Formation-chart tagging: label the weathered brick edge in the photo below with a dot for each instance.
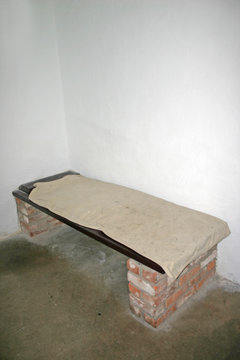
(33, 221)
(153, 298)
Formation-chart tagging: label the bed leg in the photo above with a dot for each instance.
(153, 298)
(33, 221)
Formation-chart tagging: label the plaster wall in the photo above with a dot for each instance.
(151, 93)
(33, 140)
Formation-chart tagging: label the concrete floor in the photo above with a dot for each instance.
(65, 296)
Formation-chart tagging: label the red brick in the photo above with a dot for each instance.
(151, 275)
(33, 221)
(195, 280)
(159, 310)
(57, 223)
(30, 211)
(153, 300)
(207, 258)
(204, 279)
(18, 201)
(186, 296)
(150, 320)
(134, 290)
(24, 227)
(184, 278)
(36, 232)
(145, 307)
(172, 288)
(160, 287)
(51, 219)
(211, 265)
(175, 296)
(156, 322)
(133, 266)
(37, 217)
(145, 285)
(166, 314)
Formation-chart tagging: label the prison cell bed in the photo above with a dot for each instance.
(159, 234)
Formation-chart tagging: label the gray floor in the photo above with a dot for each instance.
(65, 296)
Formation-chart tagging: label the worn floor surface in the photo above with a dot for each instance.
(65, 296)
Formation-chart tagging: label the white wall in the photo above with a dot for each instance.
(151, 95)
(32, 138)
(151, 90)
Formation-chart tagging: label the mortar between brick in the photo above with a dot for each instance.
(155, 308)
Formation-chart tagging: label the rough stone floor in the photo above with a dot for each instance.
(65, 296)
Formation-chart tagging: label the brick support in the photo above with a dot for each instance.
(33, 221)
(153, 298)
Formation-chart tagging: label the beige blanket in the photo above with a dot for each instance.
(168, 234)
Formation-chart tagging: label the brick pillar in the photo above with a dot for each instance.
(33, 221)
(153, 298)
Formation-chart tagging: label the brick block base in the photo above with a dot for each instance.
(153, 298)
(33, 221)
